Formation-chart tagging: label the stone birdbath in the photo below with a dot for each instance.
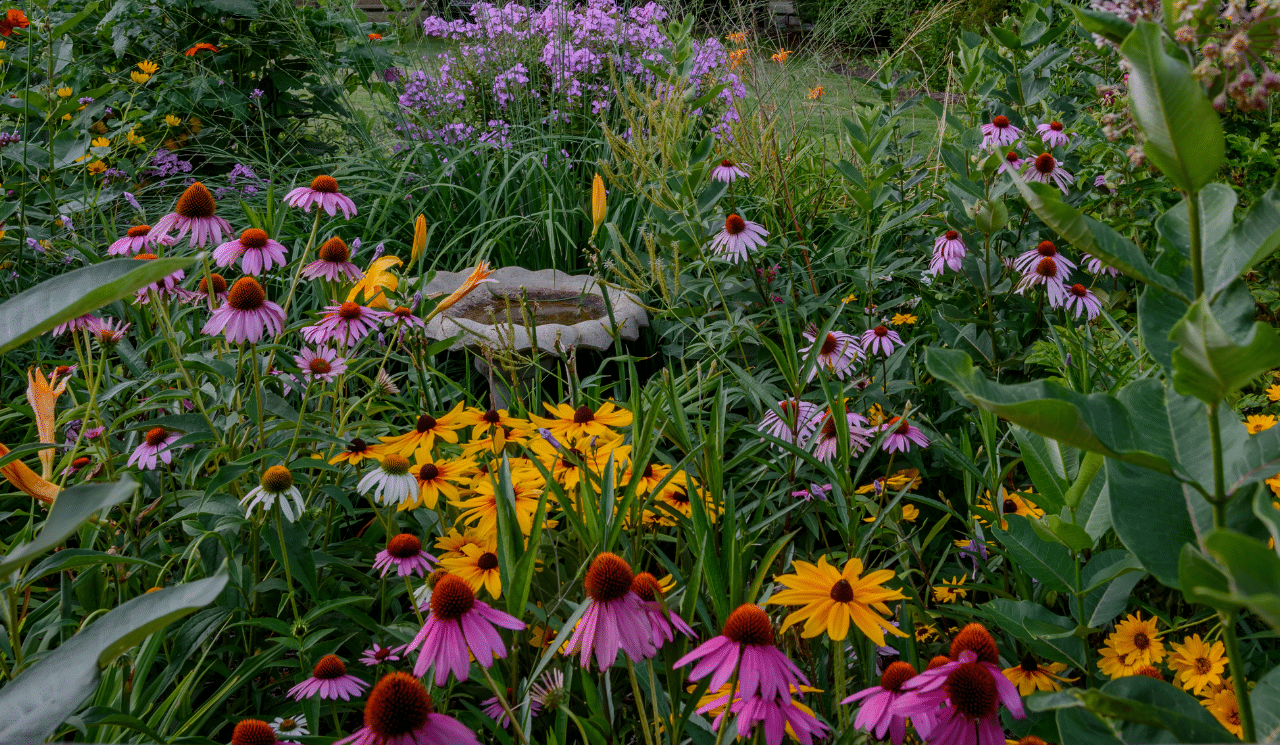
(565, 312)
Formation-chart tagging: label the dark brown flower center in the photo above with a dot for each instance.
(830, 344)
(428, 472)
(1001, 121)
(358, 446)
(252, 732)
(219, 284)
(492, 416)
(382, 653)
(975, 638)
(583, 414)
(1078, 290)
(951, 235)
(881, 331)
(972, 690)
(451, 598)
(733, 225)
(401, 312)
(276, 479)
(319, 366)
(678, 494)
(842, 591)
(1012, 157)
(404, 546)
(828, 427)
(246, 294)
(334, 251)
(1046, 248)
(253, 238)
(349, 310)
(1202, 666)
(487, 562)
(895, 675)
(137, 231)
(749, 624)
(1047, 267)
(156, 435)
(646, 586)
(1055, 126)
(1029, 665)
(426, 423)
(1141, 640)
(726, 163)
(1045, 163)
(329, 667)
(608, 578)
(196, 202)
(326, 184)
(648, 471)
(1009, 507)
(397, 706)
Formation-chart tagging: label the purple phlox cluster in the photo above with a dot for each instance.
(166, 163)
(241, 180)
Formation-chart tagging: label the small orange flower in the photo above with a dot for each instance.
(14, 18)
(781, 55)
(736, 57)
(375, 37)
(816, 93)
(203, 46)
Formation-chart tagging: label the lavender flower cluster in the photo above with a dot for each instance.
(9, 138)
(560, 57)
(166, 163)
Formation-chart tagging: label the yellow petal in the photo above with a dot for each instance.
(419, 238)
(597, 202)
(26, 480)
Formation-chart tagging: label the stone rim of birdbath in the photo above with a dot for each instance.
(552, 338)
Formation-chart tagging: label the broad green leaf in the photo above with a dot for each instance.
(1147, 705)
(43, 696)
(1266, 707)
(1209, 364)
(1264, 507)
(1113, 28)
(1202, 581)
(1047, 562)
(1250, 241)
(1090, 236)
(1184, 133)
(1044, 463)
(76, 293)
(1076, 726)
(1103, 605)
(1054, 528)
(1150, 517)
(1253, 572)
(1098, 423)
(1158, 313)
(73, 558)
(1256, 459)
(72, 507)
(1047, 633)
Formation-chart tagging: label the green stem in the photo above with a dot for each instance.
(837, 664)
(284, 559)
(635, 691)
(1219, 487)
(413, 603)
(1193, 225)
(502, 701)
(1243, 704)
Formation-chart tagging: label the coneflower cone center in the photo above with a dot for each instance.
(749, 624)
(726, 163)
(156, 435)
(487, 562)
(1047, 267)
(1032, 740)
(608, 578)
(1001, 121)
(246, 294)
(895, 675)
(397, 706)
(404, 546)
(396, 465)
(646, 586)
(975, 638)
(426, 423)
(828, 428)
(401, 312)
(326, 184)
(137, 231)
(1079, 290)
(287, 724)
(881, 331)
(583, 414)
(1012, 157)
(382, 654)
(329, 668)
(451, 598)
(938, 661)
(335, 251)
(842, 591)
(252, 732)
(951, 235)
(319, 366)
(1149, 671)
(428, 472)
(973, 692)
(349, 310)
(80, 462)
(145, 257)
(196, 202)
(276, 479)
(830, 344)
(1055, 126)
(1045, 163)
(253, 238)
(1046, 248)
(733, 225)
(219, 284)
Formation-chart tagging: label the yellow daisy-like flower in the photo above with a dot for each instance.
(816, 93)
(139, 77)
(148, 67)
(478, 565)
(481, 510)
(454, 541)
(900, 319)
(1273, 392)
(850, 298)
(494, 442)
(64, 92)
(908, 477)
(100, 142)
(355, 454)
(875, 415)
(1198, 664)
(172, 120)
(97, 167)
(832, 599)
(1274, 483)
(135, 139)
(566, 463)
(718, 698)
(1011, 504)
(925, 632)
(677, 497)
(1224, 707)
(424, 433)
(909, 514)
(1031, 676)
(436, 477)
(650, 476)
(378, 281)
(1115, 665)
(950, 590)
(737, 37)
(484, 423)
(1137, 639)
(1256, 423)
(583, 422)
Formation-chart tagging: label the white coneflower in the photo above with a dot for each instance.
(275, 485)
(291, 726)
(391, 482)
(384, 384)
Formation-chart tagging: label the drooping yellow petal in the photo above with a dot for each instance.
(378, 279)
(419, 238)
(478, 276)
(27, 480)
(44, 400)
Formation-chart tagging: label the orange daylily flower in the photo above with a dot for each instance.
(44, 399)
(203, 46)
(478, 276)
(27, 480)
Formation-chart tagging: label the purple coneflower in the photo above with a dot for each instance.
(403, 316)
(1028, 259)
(87, 322)
(876, 715)
(902, 435)
(399, 711)
(344, 324)
(837, 352)
(404, 552)
(880, 340)
(745, 646)
(247, 316)
(1048, 273)
(828, 437)
(1045, 169)
(1080, 299)
(257, 253)
(459, 625)
(728, 172)
(663, 621)
(195, 213)
(739, 238)
(1094, 265)
(1052, 134)
(138, 239)
(324, 192)
(780, 716)
(155, 446)
(614, 620)
(377, 655)
(330, 680)
(333, 263)
(1011, 163)
(202, 289)
(77, 465)
(815, 491)
(948, 251)
(165, 287)
(999, 132)
(798, 420)
(320, 364)
(492, 708)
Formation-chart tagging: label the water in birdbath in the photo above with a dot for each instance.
(546, 307)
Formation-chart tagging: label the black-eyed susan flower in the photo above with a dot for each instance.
(478, 565)
(567, 422)
(1010, 504)
(453, 542)
(481, 510)
(1031, 676)
(425, 432)
(832, 599)
(438, 476)
(950, 590)
(357, 450)
(1199, 664)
